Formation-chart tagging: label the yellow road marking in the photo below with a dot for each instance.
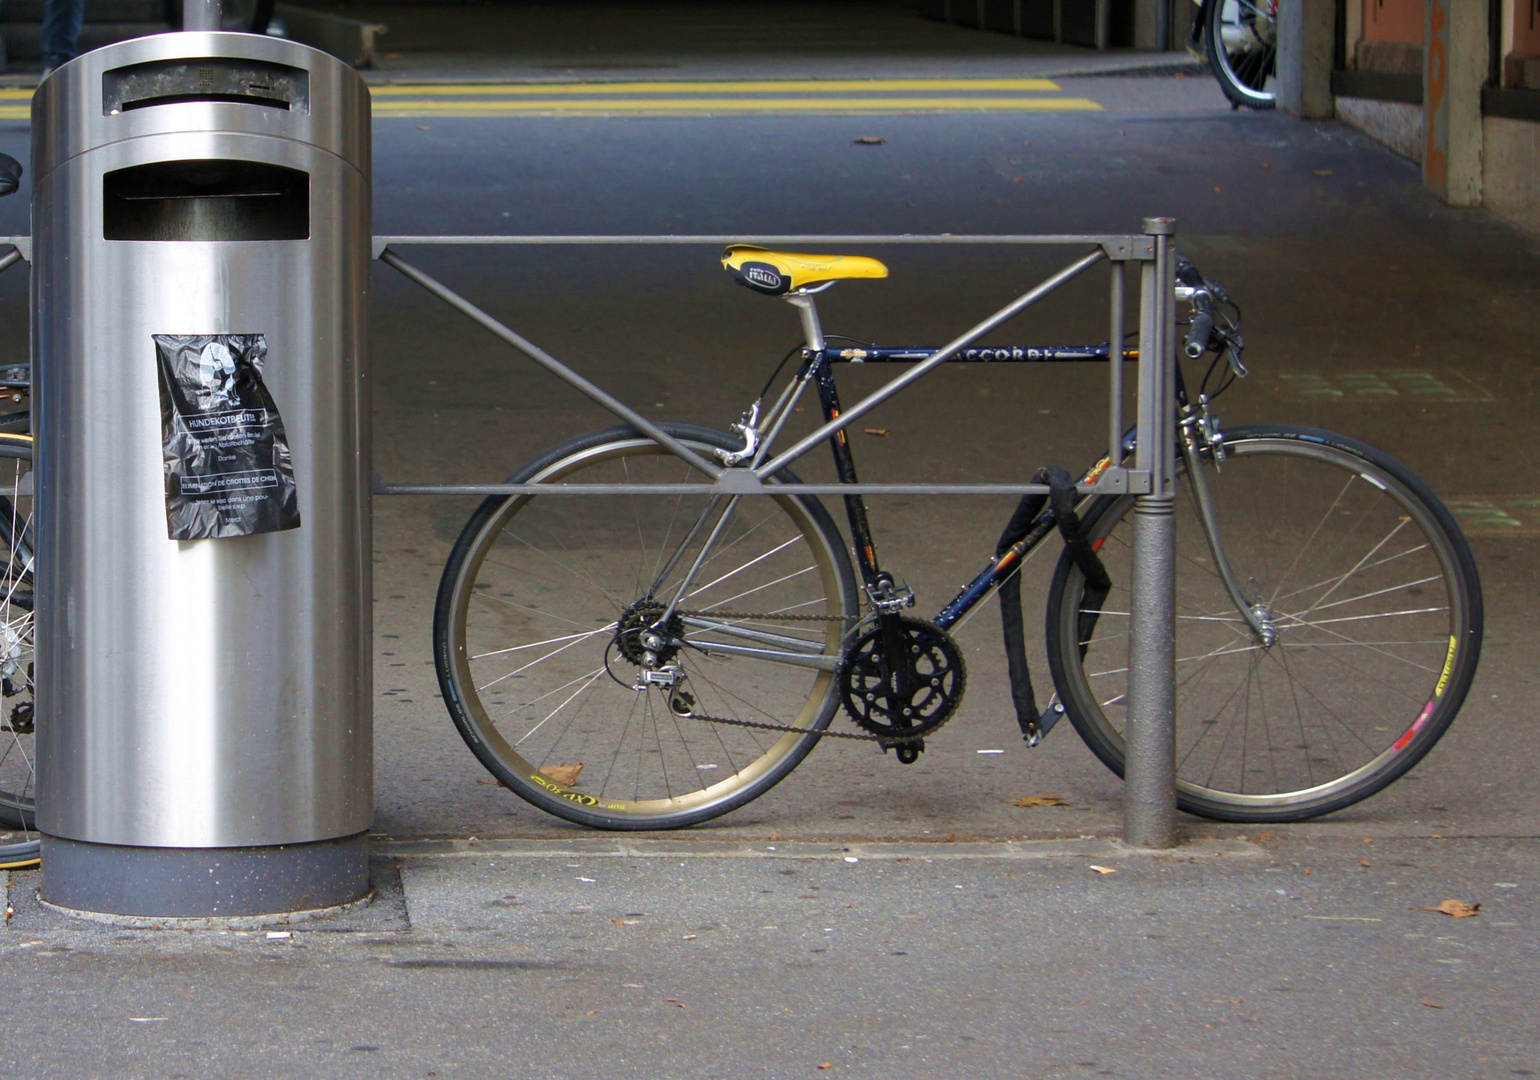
(15, 112)
(734, 105)
(770, 86)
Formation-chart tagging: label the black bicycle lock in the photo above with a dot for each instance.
(1061, 503)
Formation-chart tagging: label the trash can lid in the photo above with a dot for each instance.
(247, 84)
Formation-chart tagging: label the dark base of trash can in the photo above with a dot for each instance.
(182, 883)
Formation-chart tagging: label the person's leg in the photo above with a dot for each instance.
(62, 20)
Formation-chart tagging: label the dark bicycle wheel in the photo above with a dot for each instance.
(1241, 40)
(1377, 609)
(17, 764)
(541, 628)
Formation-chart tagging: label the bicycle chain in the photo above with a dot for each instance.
(787, 728)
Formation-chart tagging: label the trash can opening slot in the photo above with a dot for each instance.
(217, 79)
(206, 199)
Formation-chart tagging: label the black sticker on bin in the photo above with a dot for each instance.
(228, 468)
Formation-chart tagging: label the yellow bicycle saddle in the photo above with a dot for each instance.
(776, 273)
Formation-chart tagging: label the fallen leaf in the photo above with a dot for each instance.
(1364, 862)
(490, 783)
(674, 1001)
(1455, 909)
(869, 140)
(1018, 179)
(1267, 164)
(423, 127)
(1036, 800)
(826, 1064)
(1309, 872)
(625, 922)
(1321, 172)
(592, 1012)
(1218, 190)
(880, 431)
(1103, 869)
(566, 775)
(1430, 1005)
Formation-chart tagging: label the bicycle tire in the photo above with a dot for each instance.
(565, 560)
(1242, 50)
(1317, 523)
(18, 773)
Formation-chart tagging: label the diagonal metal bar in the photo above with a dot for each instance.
(550, 363)
(925, 367)
(10, 260)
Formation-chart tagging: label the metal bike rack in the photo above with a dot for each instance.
(1149, 819)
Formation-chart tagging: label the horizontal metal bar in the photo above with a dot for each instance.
(711, 489)
(779, 238)
(936, 359)
(22, 244)
(1117, 246)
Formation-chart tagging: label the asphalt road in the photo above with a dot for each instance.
(1340, 261)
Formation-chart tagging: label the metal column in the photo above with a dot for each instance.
(1149, 792)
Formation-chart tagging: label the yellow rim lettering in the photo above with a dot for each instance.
(1443, 680)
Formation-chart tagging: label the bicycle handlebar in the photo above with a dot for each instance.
(1201, 329)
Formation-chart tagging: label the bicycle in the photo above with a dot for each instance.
(1239, 39)
(692, 649)
(18, 773)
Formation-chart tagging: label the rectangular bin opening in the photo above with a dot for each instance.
(219, 79)
(206, 200)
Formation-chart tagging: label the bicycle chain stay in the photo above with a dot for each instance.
(888, 740)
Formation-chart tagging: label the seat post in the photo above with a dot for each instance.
(811, 330)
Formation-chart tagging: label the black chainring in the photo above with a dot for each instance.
(912, 699)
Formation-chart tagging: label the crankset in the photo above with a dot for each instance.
(902, 679)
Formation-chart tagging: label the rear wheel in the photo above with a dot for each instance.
(1241, 40)
(18, 779)
(1376, 605)
(542, 628)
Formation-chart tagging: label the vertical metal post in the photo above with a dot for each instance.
(1149, 788)
(1115, 369)
(201, 14)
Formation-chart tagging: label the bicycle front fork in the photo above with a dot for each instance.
(1199, 433)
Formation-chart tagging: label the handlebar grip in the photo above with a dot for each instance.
(1199, 332)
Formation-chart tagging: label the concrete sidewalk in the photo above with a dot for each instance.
(1270, 958)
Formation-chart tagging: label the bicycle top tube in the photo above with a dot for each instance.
(979, 354)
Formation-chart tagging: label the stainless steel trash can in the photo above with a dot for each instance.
(201, 224)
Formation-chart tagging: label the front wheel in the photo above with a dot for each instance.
(546, 635)
(1376, 605)
(1240, 38)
